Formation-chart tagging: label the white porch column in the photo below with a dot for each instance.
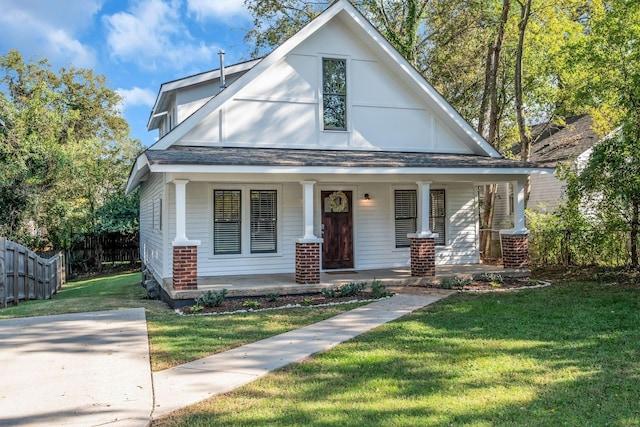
(308, 246)
(515, 242)
(424, 211)
(307, 206)
(519, 226)
(181, 215)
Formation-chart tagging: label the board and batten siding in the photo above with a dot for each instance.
(152, 233)
(282, 106)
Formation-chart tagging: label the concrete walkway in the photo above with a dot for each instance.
(84, 369)
(93, 369)
(193, 382)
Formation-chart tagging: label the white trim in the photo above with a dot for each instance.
(330, 170)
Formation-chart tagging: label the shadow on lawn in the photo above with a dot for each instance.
(566, 355)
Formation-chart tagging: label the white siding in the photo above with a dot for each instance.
(200, 227)
(152, 240)
(547, 192)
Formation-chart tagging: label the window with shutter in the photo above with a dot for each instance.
(438, 215)
(226, 222)
(263, 221)
(405, 215)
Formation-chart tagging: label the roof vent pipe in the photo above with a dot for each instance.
(222, 82)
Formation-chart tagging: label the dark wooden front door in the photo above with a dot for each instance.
(337, 227)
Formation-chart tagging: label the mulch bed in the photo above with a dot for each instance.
(230, 305)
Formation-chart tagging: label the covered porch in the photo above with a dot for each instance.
(248, 285)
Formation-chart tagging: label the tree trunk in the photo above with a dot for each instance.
(525, 139)
(634, 233)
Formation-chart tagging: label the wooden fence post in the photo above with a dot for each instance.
(3, 273)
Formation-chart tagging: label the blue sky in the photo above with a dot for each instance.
(136, 44)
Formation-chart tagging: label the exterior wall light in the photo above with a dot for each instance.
(366, 196)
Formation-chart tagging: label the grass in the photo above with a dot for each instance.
(173, 339)
(564, 355)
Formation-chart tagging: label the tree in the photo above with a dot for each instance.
(64, 147)
(610, 61)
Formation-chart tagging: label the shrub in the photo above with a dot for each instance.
(492, 278)
(251, 304)
(379, 289)
(212, 298)
(446, 283)
(273, 297)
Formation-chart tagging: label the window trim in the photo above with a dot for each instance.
(238, 221)
(395, 217)
(251, 222)
(245, 242)
(347, 95)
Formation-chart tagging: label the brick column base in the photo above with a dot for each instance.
(185, 268)
(423, 256)
(307, 263)
(515, 250)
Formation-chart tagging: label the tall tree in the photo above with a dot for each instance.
(610, 60)
(64, 147)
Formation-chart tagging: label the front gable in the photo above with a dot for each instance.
(278, 103)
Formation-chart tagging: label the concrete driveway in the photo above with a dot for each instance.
(98, 362)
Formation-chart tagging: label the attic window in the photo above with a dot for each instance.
(334, 93)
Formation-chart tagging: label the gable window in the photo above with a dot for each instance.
(226, 222)
(334, 93)
(406, 212)
(263, 221)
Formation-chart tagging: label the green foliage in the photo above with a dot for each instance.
(273, 297)
(307, 301)
(379, 289)
(492, 278)
(251, 304)
(212, 298)
(346, 290)
(65, 153)
(446, 282)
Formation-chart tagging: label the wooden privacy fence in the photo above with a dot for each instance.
(24, 275)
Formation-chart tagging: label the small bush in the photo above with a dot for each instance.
(197, 308)
(212, 298)
(307, 301)
(273, 297)
(446, 283)
(379, 289)
(460, 283)
(251, 304)
(346, 290)
(328, 293)
(492, 277)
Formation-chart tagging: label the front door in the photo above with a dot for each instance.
(337, 227)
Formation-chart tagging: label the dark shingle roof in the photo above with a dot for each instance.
(563, 143)
(227, 156)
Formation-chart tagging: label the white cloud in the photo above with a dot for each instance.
(49, 29)
(217, 9)
(136, 96)
(152, 36)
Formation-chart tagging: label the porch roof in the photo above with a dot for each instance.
(280, 157)
(192, 159)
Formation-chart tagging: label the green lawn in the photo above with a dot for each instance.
(173, 339)
(568, 355)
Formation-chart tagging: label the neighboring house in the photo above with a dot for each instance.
(570, 145)
(330, 153)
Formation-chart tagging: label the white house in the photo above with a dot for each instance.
(330, 153)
